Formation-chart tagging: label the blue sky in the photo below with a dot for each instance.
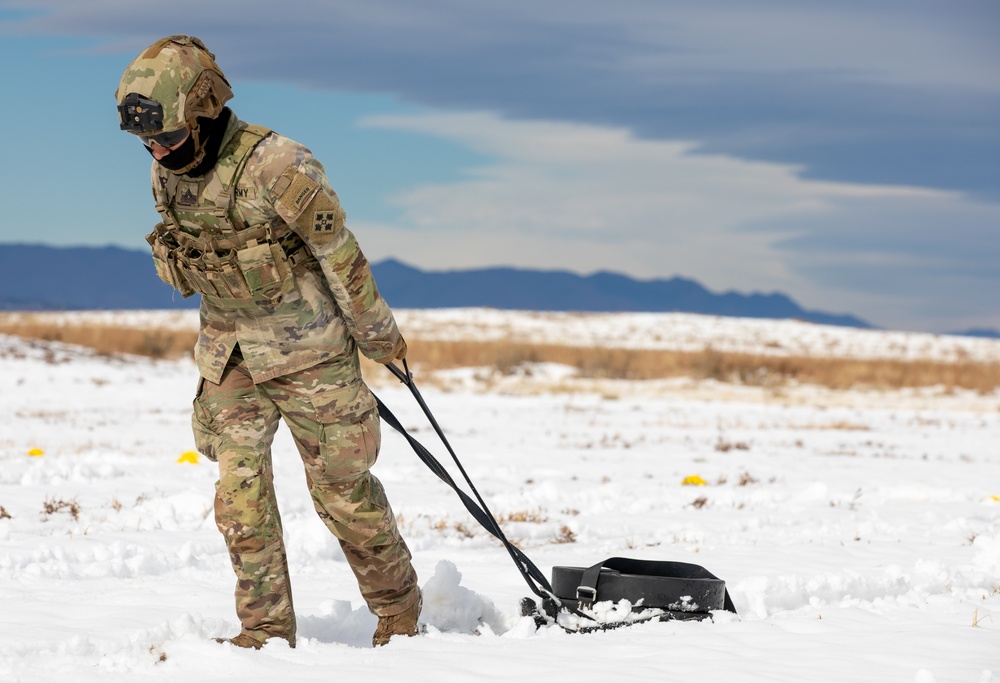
(847, 154)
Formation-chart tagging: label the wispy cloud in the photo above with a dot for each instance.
(870, 92)
(588, 198)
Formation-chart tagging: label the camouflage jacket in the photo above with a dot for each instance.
(262, 237)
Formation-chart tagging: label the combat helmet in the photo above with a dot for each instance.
(168, 87)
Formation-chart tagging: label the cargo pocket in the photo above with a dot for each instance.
(206, 439)
(349, 432)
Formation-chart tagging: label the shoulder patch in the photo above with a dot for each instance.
(299, 192)
(326, 219)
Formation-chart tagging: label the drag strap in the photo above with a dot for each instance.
(528, 570)
(590, 583)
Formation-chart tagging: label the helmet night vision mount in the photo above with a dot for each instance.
(140, 115)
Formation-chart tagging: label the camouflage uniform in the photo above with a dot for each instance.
(288, 300)
(330, 413)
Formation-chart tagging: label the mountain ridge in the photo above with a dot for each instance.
(43, 277)
(516, 288)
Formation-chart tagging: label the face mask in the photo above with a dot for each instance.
(200, 151)
(179, 159)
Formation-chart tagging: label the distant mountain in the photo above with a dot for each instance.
(535, 290)
(34, 277)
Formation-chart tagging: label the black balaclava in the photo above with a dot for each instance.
(205, 138)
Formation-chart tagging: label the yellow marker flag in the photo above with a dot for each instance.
(36, 452)
(189, 456)
(694, 480)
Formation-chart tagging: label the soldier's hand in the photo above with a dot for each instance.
(398, 351)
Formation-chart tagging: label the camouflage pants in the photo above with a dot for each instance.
(333, 420)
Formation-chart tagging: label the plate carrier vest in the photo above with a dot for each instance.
(231, 264)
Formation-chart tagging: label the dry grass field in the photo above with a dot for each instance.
(738, 368)
(108, 339)
(611, 363)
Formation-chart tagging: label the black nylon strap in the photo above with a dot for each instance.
(536, 581)
(587, 592)
(592, 575)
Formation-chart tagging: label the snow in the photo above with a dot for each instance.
(858, 532)
(668, 331)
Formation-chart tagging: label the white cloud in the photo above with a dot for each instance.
(587, 198)
(581, 184)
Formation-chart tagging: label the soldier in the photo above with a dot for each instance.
(250, 222)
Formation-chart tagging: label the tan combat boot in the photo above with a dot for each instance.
(242, 640)
(402, 624)
(246, 641)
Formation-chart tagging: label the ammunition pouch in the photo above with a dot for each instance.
(165, 249)
(250, 270)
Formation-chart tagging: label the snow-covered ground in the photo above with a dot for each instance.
(668, 331)
(858, 532)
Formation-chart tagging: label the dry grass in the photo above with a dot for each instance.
(565, 535)
(738, 368)
(105, 339)
(52, 506)
(636, 364)
(530, 516)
